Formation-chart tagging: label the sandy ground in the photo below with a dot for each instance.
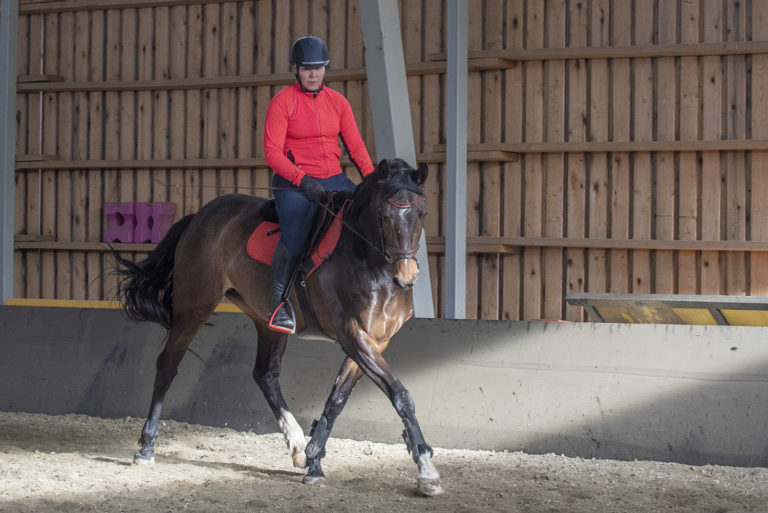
(75, 463)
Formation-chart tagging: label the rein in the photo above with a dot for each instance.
(383, 249)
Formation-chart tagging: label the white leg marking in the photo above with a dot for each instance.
(428, 480)
(294, 438)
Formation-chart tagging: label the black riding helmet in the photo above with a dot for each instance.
(310, 51)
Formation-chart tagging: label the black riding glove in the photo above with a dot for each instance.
(313, 189)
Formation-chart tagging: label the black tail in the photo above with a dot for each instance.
(146, 288)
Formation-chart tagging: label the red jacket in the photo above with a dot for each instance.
(301, 134)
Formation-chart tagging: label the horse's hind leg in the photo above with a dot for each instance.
(182, 332)
(348, 376)
(266, 372)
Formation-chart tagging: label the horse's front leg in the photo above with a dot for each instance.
(348, 376)
(369, 358)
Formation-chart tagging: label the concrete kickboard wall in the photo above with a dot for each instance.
(692, 394)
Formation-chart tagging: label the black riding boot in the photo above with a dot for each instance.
(280, 316)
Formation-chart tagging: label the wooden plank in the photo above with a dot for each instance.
(621, 190)
(95, 181)
(432, 104)
(758, 268)
(474, 184)
(244, 121)
(642, 128)
(177, 68)
(33, 143)
(687, 214)
(192, 140)
(598, 129)
(79, 187)
(63, 179)
(49, 146)
(613, 243)
(532, 285)
(621, 146)
(622, 51)
(111, 133)
(62, 6)
(712, 116)
(512, 173)
(736, 205)
(264, 64)
(554, 164)
(227, 104)
(490, 284)
(576, 180)
(210, 99)
(666, 90)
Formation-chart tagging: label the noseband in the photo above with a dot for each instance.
(392, 254)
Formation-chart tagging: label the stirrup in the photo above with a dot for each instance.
(288, 317)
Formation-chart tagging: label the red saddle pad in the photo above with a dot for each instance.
(263, 241)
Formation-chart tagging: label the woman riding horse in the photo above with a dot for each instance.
(301, 131)
(360, 297)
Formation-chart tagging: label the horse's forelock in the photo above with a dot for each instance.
(399, 178)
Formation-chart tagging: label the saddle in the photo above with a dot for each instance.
(324, 236)
(323, 239)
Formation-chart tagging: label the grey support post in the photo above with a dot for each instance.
(9, 15)
(456, 161)
(391, 110)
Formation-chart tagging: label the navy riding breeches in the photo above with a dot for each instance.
(296, 212)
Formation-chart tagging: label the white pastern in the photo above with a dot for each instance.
(428, 480)
(294, 438)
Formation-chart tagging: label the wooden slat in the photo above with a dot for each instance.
(620, 165)
(642, 130)
(687, 215)
(665, 192)
(759, 178)
(98, 5)
(623, 146)
(614, 244)
(736, 203)
(533, 185)
(622, 51)
(576, 170)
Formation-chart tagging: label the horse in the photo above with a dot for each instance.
(359, 298)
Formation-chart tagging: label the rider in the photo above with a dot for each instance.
(301, 131)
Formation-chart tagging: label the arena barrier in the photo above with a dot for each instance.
(690, 394)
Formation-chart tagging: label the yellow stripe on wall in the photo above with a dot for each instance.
(74, 303)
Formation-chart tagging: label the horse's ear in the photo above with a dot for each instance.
(420, 175)
(382, 170)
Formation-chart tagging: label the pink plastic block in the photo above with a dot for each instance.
(153, 221)
(121, 222)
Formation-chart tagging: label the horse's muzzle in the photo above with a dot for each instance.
(406, 271)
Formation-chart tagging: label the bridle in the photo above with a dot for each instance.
(390, 253)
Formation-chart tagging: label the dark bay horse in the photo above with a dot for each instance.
(361, 296)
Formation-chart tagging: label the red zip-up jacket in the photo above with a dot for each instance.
(301, 133)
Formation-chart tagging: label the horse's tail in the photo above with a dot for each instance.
(146, 288)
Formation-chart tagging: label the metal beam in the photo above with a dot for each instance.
(391, 110)
(456, 161)
(9, 15)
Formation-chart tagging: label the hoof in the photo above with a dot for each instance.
(140, 460)
(429, 487)
(300, 460)
(310, 480)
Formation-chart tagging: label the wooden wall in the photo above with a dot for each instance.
(614, 146)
